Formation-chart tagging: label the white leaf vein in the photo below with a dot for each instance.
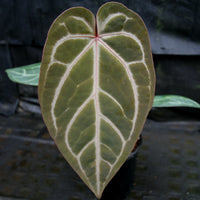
(76, 114)
(117, 102)
(62, 81)
(132, 36)
(97, 106)
(106, 119)
(84, 21)
(110, 17)
(131, 79)
(84, 148)
(110, 165)
(109, 149)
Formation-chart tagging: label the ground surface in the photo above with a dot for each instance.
(168, 164)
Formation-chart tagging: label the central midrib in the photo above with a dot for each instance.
(96, 101)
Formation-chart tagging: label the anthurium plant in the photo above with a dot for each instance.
(96, 88)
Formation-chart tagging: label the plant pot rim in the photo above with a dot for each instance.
(136, 148)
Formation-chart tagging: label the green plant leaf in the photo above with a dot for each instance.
(28, 74)
(174, 101)
(19, 75)
(96, 88)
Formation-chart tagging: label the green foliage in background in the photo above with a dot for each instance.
(29, 75)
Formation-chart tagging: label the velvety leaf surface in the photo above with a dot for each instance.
(96, 88)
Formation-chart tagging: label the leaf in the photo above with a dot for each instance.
(28, 74)
(96, 88)
(174, 101)
(18, 75)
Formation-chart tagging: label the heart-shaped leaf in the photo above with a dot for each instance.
(96, 88)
